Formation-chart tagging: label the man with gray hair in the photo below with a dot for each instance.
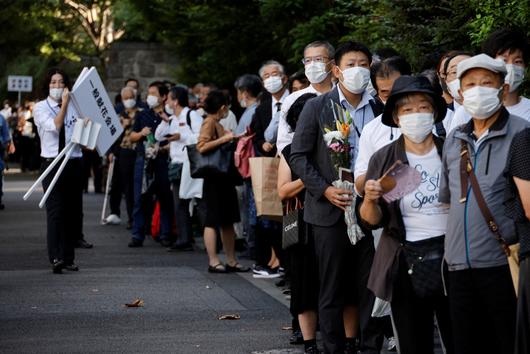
(318, 62)
(265, 121)
(472, 182)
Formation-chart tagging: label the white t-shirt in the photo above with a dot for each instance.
(521, 109)
(423, 215)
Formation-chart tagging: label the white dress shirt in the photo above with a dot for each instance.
(177, 148)
(44, 114)
(361, 115)
(285, 135)
(271, 132)
(230, 122)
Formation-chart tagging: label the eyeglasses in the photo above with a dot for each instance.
(317, 59)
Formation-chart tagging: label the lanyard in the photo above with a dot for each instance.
(51, 108)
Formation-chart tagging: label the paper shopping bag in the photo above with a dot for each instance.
(264, 175)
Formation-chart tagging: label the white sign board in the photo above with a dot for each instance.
(92, 101)
(19, 83)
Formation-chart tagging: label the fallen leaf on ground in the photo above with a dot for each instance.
(229, 317)
(287, 328)
(136, 303)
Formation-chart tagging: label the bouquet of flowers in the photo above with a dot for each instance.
(336, 138)
(339, 148)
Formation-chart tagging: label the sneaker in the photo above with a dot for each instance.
(392, 345)
(297, 337)
(166, 242)
(57, 266)
(265, 273)
(351, 346)
(312, 350)
(113, 219)
(185, 247)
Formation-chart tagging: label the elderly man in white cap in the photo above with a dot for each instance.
(481, 293)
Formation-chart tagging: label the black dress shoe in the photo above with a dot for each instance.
(135, 243)
(83, 244)
(72, 267)
(185, 247)
(57, 266)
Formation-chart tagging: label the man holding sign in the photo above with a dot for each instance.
(55, 120)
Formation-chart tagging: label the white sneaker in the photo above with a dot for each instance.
(113, 219)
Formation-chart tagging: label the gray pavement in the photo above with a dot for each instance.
(84, 312)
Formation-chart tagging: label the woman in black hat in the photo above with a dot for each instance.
(414, 225)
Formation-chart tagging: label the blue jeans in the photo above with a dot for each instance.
(142, 201)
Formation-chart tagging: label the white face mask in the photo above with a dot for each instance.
(273, 84)
(355, 79)
(56, 93)
(316, 72)
(168, 109)
(482, 102)
(453, 88)
(152, 101)
(243, 103)
(514, 77)
(129, 103)
(416, 126)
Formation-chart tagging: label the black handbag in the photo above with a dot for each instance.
(293, 224)
(424, 259)
(213, 162)
(174, 171)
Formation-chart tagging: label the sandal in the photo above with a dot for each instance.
(218, 268)
(236, 268)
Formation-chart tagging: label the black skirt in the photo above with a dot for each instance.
(222, 208)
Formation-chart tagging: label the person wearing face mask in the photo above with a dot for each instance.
(178, 133)
(266, 119)
(376, 134)
(318, 61)
(124, 157)
(417, 221)
(142, 133)
(222, 209)
(478, 268)
(343, 309)
(135, 86)
(64, 207)
(249, 88)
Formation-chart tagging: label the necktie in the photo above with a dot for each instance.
(278, 106)
(62, 136)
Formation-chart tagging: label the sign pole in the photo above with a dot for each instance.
(19, 96)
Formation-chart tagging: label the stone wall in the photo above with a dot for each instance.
(145, 62)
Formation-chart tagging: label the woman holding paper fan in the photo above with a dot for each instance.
(55, 120)
(407, 267)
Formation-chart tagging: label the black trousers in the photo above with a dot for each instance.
(482, 304)
(343, 272)
(268, 236)
(64, 210)
(92, 162)
(414, 316)
(182, 216)
(123, 182)
(522, 331)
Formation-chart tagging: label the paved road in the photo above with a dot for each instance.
(84, 312)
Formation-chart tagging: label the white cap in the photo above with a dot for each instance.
(483, 61)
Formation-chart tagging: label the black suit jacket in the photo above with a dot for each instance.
(260, 122)
(310, 159)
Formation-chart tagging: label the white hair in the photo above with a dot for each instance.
(127, 88)
(271, 62)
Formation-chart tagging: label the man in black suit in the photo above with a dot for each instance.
(265, 121)
(343, 268)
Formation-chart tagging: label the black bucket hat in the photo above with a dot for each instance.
(412, 84)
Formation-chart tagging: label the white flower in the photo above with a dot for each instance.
(332, 135)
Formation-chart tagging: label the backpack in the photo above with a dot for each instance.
(244, 151)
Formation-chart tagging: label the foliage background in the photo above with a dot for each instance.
(218, 40)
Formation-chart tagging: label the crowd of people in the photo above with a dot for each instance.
(430, 262)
